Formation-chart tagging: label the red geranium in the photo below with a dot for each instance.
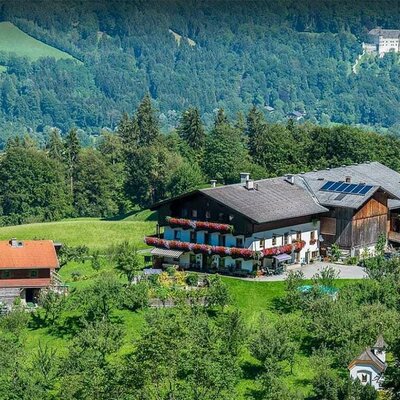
(200, 225)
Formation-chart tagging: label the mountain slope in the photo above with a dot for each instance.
(268, 53)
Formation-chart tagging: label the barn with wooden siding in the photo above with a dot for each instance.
(361, 199)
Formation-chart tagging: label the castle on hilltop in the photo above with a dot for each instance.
(382, 41)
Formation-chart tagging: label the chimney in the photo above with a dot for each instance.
(250, 184)
(290, 178)
(244, 177)
(348, 179)
(213, 183)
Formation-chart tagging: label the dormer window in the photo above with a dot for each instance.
(194, 213)
(208, 214)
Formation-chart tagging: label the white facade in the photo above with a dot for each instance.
(386, 45)
(367, 374)
(383, 41)
(369, 367)
(308, 232)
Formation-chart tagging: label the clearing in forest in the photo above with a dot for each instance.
(13, 40)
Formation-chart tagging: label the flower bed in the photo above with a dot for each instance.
(200, 225)
(287, 248)
(200, 248)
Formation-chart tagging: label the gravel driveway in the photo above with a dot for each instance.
(345, 272)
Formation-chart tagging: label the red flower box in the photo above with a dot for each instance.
(222, 250)
(200, 248)
(287, 248)
(200, 225)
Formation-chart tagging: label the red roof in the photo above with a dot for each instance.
(25, 283)
(28, 254)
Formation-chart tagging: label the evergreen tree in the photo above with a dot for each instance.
(55, 145)
(191, 129)
(149, 171)
(147, 122)
(220, 118)
(72, 148)
(128, 131)
(255, 127)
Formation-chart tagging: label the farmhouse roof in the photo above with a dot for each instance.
(368, 357)
(386, 33)
(273, 200)
(276, 199)
(28, 254)
(374, 174)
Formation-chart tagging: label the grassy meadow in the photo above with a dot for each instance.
(13, 40)
(95, 233)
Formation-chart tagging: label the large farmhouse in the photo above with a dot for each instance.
(293, 218)
(382, 41)
(26, 267)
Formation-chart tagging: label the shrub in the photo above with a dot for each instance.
(335, 252)
(76, 275)
(192, 279)
(136, 297)
(351, 260)
(171, 270)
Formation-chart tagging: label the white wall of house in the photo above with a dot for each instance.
(256, 242)
(387, 45)
(309, 251)
(367, 375)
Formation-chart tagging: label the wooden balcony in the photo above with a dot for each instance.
(394, 236)
(25, 283)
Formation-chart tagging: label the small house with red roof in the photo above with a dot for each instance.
(26, 267)
(370, 365)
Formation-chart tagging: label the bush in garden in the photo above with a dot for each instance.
(75, 275)
(192, 279)
(136, 297)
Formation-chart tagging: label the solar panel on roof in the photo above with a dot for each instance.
(350, 188)
(357, 189)
(346, 188)
(342, 187)
(335, 185)
(327, 185)
(365, 189)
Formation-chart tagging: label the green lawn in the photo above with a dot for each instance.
(95, 233)
(13, 40)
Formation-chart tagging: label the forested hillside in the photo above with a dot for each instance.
(208, 54)
(138, 165)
